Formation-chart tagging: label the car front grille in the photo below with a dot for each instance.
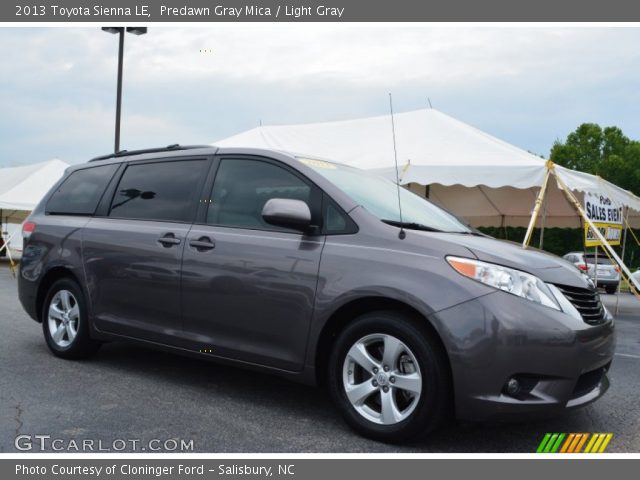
(586, 301)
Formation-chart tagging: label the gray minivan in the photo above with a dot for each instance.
(305, 268)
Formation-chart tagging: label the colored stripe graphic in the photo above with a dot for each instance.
(543, 443)
(574, 442)
(550, 443)
(605, 443)
(568, 442)
(592, 440)
(596, 446)
(552, 440)
(556, 445)
(582, 441)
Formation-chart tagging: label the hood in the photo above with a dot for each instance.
(548, 267)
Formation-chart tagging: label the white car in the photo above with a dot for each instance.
(606, 274)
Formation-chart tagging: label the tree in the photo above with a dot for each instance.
(606, 152)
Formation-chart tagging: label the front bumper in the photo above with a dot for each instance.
(562, 362)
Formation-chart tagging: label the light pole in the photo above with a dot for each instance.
(120, 31)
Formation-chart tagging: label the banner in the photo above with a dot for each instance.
(607, 217)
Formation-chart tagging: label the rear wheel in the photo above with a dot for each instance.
(64, 321)
(610, 289)
(388, 377)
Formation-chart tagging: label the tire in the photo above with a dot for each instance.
(64, 312)
(611, 289)
(418, 411)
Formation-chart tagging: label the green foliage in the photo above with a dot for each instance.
(600, 151)
(606, 152)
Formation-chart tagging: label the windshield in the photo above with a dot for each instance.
(380, 197)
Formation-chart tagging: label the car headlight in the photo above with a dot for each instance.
(507, 279)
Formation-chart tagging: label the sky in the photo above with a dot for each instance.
(527, 85)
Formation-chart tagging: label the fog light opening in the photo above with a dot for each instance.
(521, 386)
(512, 387)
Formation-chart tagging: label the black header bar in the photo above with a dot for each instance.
(146, 11)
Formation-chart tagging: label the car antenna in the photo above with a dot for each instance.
(402, 233)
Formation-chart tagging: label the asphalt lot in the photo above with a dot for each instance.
(131, 392)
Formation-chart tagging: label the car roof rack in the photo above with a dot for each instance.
(168, 148)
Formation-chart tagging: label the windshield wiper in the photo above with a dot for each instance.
(411, 225)
(475, 233)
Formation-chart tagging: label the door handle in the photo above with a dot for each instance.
(169, 240)
(202, 244)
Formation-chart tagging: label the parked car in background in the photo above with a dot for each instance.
(305, 268)
(605, 274)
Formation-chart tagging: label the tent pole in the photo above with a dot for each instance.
(12, 264)
(576, 204)
(2, 228)
(538, 204)
(596, 266)
(542, 220)
(624, 247)
(404, 171)
(6, 243)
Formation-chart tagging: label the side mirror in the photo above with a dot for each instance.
(287, 213)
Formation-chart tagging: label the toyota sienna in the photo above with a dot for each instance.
(305, 268)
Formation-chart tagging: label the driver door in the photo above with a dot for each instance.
(248, 288)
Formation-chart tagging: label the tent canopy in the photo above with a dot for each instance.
(439, 148)
(475, 175)
(21, 188)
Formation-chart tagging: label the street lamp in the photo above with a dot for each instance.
(120, 31)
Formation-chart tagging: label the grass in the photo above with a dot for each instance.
(624, 286)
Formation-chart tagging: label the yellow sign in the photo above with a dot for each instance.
(612, 232)
(606, 215)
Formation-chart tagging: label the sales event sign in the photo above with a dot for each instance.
(607, 217)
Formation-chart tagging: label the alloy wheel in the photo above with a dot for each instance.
(63, 318)
(382, 379)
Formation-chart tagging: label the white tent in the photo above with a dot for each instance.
(475, 175)
(21, 188)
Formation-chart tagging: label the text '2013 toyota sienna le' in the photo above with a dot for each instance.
(302, 267)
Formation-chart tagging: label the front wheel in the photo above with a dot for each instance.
(65, 323)
(388, 377)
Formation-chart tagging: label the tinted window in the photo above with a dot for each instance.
(80, 193)
(602, 259)
(335, 220)
(242, 187)
(159, 191)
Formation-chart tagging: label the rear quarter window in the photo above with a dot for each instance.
(162, 191)
(80, 193)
